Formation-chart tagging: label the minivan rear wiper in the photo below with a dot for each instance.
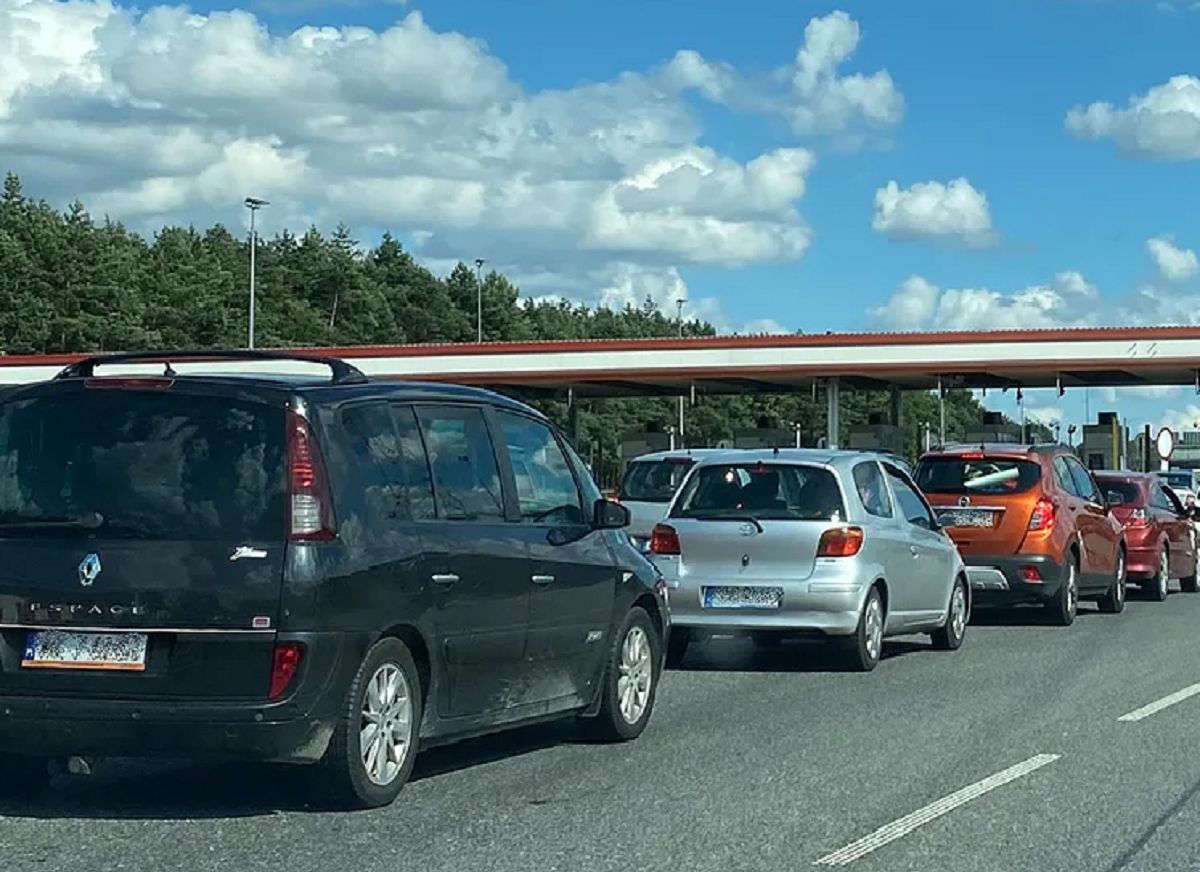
(85, 521)
(728, 516)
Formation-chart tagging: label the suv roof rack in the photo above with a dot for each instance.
(342, 373)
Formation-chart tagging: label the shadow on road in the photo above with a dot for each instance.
(171, 790)
(798, 655)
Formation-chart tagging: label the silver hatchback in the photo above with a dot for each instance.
(780, 542)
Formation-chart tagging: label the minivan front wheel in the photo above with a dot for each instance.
(630, 680)
(374, 743)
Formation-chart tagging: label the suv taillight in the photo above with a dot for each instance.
(1043, 515)
(310, 509)
(840, 542)
(664, 540)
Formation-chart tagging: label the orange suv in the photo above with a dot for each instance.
(1031, 525)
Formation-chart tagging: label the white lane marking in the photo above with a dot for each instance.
(1158, 705)
(905, 825)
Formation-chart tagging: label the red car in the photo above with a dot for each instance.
(1158, 531)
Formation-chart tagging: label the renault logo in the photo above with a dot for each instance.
(89, 569)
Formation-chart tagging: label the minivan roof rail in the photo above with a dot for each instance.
(342, 372)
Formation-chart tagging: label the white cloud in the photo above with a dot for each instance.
(170, 115)
(1139, 392)
(1047, 415)
(1175, 264)
(1187, 418)
(764, 325)
(1163, 123)
(920, 305)
(932, 210)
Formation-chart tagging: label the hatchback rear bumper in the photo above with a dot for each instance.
(296, 728)
(1012, 578)
(1142, 563)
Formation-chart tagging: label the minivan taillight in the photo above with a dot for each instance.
(840, 542)
(310, 508)
(285, 663)
(1043, 515)
(664, 540)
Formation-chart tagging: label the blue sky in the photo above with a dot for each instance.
(1051, 224)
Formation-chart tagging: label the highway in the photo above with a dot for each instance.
(1010, 754)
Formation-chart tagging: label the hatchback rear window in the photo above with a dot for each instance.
(654, 481)
(762, 491)
(1130, 493)
(142, 464)
(985, 475)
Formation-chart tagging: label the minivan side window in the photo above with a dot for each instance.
(912, 506)
(386, 461)
(465, 475)
(546, 489)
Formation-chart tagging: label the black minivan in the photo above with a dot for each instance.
(240, 559)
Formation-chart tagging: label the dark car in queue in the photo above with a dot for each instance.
(322, 569)
(1159, 533)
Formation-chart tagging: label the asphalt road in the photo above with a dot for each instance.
(1007, 755)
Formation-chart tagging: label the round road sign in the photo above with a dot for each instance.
(1165, 443)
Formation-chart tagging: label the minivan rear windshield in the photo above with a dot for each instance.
(761, 491)
(148, 464)
(984, 475)
(654, 481)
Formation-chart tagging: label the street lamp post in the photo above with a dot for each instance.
(253, 204)
(479, 262)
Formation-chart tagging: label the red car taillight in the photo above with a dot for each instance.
(1043, 515)
(1138, 518)
(840, 542)
(310, 508)
(664, 540)
(284, 665)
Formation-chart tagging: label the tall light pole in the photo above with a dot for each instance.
(253, 204)
(479, 262)
(679, 318)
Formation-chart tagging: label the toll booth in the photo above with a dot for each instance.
(995, 428)
(876, 435)
(1105, 444)
(764, 437)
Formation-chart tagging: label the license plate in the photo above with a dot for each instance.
(59, 649)
(965, 518)
(742, 597)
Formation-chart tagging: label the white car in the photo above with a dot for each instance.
(649, 484)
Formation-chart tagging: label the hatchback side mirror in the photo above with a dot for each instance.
(608, 515)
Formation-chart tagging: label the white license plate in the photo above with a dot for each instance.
(60, 649)
(965, 518)
(742, 597)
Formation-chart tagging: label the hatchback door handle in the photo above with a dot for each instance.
(445, 578)
(542, 579)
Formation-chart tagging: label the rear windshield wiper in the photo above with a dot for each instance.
(85, 521)
(729, 516)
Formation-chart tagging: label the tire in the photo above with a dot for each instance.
(630, 681)
(865, 647)
(949, 637)
(677, 645)
(1065, 604)
(23, 776)
(1113, 601)
(387, 685)
(1160, 587)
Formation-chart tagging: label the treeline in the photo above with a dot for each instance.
(69, 282)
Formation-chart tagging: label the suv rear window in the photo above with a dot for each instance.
(763, 491)
(152, 464)
(654, 481)
(982, 475)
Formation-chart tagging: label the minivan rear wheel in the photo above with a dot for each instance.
(630, 680)
(374, 744)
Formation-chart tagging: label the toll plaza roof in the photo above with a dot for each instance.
(1075, 357)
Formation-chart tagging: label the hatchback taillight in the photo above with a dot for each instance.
(664, 540)
(310, 507)
(840, 542)
(1043, 515)
(1138, 518)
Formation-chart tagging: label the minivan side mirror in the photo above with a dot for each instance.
(609, 515)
